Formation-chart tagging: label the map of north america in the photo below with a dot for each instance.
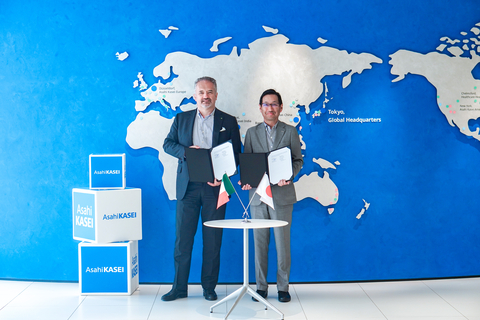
(449, 70)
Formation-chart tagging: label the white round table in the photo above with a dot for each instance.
(245, 225)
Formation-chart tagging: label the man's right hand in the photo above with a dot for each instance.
(215, 183)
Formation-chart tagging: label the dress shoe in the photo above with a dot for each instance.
(262, 294)
(174, 294)
(210, 295)
(284, 296)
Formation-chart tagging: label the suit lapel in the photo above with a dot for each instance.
(190, 121)
(279, 134)
(262, 136)
(217, 126)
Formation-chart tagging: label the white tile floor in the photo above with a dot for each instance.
(452, 299)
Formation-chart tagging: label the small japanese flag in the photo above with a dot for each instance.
(265, 192)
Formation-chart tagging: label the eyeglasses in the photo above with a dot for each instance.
(273, 105)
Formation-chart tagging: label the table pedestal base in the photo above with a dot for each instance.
(238, 294)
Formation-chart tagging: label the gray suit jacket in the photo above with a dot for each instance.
(286, 136)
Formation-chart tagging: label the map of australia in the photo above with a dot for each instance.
(296, 71)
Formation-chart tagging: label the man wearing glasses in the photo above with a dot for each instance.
(270, 135)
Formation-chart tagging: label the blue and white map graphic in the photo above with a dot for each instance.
(385, 96)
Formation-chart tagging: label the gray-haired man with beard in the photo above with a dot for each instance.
(204, 127)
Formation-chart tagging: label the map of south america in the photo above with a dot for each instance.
(298, 72)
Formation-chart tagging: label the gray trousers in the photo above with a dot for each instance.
(282, 243)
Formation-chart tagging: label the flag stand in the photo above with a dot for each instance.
(245, 209)
(245, 212)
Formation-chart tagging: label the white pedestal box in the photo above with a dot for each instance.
(108, 269)
(103, 216)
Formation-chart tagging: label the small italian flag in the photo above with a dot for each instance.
(226, 189)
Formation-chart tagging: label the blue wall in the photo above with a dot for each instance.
(64, 95)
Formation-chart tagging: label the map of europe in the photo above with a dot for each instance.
(300, 74)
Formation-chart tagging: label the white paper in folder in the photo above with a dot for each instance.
(223, 160)
(280, 165)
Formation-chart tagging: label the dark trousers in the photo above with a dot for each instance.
(200, 199)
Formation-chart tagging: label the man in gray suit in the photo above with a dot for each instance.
(270, 135)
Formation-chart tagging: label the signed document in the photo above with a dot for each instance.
(223, 160)
(280, 165)
(206, 164)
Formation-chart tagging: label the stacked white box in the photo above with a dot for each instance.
(102, 216)
(107, 217)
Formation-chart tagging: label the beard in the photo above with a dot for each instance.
(207, 103)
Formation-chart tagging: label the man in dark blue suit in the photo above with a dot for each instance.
(204, 127)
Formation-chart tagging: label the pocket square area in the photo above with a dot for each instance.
(223, 129)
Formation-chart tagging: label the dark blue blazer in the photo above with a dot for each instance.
(225, 127)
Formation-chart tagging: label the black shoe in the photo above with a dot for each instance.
(262, 294)
(284, 296)
(174, 294)
(210, 295)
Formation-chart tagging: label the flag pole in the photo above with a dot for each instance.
(244, 209)
(246, 220)
(245, 213)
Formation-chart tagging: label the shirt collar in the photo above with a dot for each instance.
(200, 115)
(268, 127)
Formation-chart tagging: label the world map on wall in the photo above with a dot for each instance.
(301, 75)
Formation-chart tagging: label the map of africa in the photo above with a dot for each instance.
(300, 74)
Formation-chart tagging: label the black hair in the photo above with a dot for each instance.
(271, 91)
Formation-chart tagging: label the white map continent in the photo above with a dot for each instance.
(324, 163)
(296, 71)
(218, 42)
(293, 70)
(458, 92)
(149, 130)
(321, 189)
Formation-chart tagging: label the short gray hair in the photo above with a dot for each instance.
(209, 79)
